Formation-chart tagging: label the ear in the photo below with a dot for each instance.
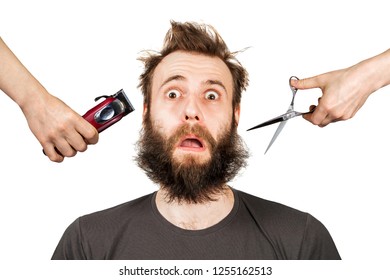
(237, 112)
(145, 111)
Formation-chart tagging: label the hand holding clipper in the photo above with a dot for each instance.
(108, 112)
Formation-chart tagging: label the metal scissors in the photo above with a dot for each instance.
(282, 118)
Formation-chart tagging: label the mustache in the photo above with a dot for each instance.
(197, 130)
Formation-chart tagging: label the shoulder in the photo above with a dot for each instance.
(286, 227)
(278, 214)
(111, 219)
(270, 210)
(120, 212)
(92, 236)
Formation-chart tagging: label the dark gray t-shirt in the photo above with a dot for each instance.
(254, 229)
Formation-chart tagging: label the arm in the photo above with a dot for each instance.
(60, 130)
(70, 246)
(317, 243)
(346, 90)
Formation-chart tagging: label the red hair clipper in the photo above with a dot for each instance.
(110, 111)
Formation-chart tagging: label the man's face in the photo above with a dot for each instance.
(189, 144)
(192, 89)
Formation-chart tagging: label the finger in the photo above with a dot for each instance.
(319, 115)
(53, 154)
(329, 119)
(308, 116)
(77, 142)
(306, 83)
(88, 132)
(326, 121)
(92, 137)
(65, 148)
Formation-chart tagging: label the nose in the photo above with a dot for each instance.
(188, 117)
(192, 111)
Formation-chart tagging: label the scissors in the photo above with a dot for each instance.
(283, 118)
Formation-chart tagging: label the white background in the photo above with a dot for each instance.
(82, 49)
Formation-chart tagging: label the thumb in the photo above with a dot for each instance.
(306, 83)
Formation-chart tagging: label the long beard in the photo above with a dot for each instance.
(187, 179)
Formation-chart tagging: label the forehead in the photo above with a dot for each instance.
(194, 67)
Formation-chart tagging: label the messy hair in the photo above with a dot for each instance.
(197, 38)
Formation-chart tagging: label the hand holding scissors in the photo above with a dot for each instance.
(283, 118)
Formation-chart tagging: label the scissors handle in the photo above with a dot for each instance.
(293, 89)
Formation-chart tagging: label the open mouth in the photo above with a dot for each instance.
(192, 143)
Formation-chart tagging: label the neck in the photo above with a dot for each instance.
(196, 216)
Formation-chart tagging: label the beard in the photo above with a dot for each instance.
(187, 179)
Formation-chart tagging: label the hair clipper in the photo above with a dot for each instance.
(110, 111)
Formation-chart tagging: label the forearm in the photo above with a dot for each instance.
(16, 81)
(374, 73)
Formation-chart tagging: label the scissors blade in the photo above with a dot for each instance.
(271, 121)
(276, 134)
(280, 127)
(285, 117)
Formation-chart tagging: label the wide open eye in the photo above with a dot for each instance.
(211, 95)
(173, 94)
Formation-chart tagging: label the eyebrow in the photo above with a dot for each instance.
(216, 82)
(173, 78)
(181, 78)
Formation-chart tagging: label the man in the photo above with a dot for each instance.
(189, 146)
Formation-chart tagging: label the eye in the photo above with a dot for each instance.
(211, 95)
(173, 94)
